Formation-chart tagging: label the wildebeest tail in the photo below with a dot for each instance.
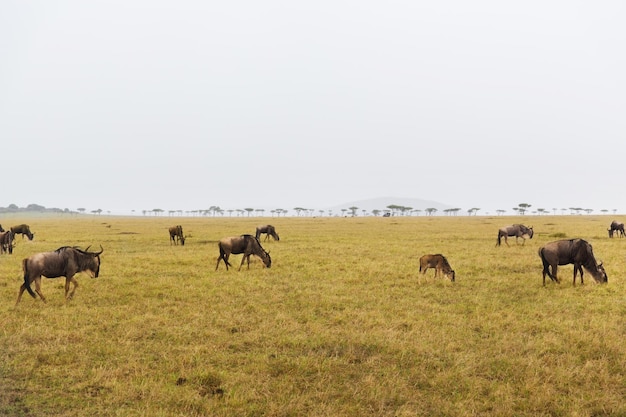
(223, 254)
(26, 280)
(545, 263)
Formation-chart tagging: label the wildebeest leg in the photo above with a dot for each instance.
(246, 255)
(19, 296)
(554, 276)
(225, 257)
(38, 289)
(67, 287)
(578, 268)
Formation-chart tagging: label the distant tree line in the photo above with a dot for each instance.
(390, 210)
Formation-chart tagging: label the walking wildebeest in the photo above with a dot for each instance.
(176, 235)
(439, 262)
(616, 227)
(22, 229)
(246, 244)
(269, 230)
(570, 251)
(65, 262)
(6, 242)
(517, 230)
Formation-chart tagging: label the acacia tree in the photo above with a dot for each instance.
(523, 207)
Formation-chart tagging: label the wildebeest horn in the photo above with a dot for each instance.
(98, 253)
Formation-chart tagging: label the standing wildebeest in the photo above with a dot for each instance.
(439, 262)
(1, 229)
(6, 242)
(22, 229)
(517, 230)
(246, 244)
(570, 251)
(64, 262)
(176, 235)
(616, 227)
(269, 230)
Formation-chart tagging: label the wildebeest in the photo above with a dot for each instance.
(6, 242)
(517, 230)
(246, 244)
(616, 227)
(269, 230)
(176, 235)
(439, 262)
(65, 262)
(570, 251)
(22, 229)
(1, 229)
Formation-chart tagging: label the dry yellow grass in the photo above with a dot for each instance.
(341, 325)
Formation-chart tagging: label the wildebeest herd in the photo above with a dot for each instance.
(67, 261)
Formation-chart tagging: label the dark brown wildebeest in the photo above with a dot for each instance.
(176, 235)
(269, 230)
(246, 244)
(517, 230)
(570, 251)
(6, 242)
(440, 263)
(22, 229)
(1, 229)
(616, 227)
(64, 262)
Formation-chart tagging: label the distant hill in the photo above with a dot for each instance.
(381, 203)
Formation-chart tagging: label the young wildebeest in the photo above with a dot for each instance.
(269, 230)
(570, 251)
(6, 242)
(616, 227)
(64, 262)
(439, 262)
(517, 230)
(246, 244)
(22, 229)
(176, 235)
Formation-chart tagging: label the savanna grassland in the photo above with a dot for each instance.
(342, 324)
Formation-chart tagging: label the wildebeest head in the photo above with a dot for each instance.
(91, 262)
(601, 276)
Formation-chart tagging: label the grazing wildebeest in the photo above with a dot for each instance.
(439, 262)
(246, 244)
(616, 227)
(176, 235)
(64, 262)
(6, 242)
(22, 229)
(269, 230)
(570, 251)
(517, 230)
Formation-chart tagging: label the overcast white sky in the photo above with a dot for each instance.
(136, 105)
